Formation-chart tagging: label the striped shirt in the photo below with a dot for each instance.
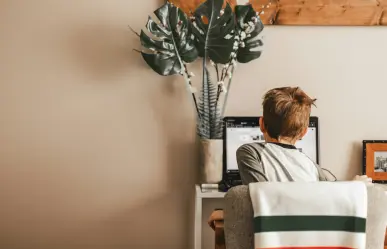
(276, 162)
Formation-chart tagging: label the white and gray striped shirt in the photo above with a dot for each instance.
(276, 162)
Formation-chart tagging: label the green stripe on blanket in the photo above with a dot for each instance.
(309, 214)
(309, 223)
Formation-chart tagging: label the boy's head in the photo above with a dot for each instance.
(286, 113)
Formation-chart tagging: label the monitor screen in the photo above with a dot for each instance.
(240, 131)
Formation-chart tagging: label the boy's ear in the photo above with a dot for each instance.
(262, 125)
(304, 132)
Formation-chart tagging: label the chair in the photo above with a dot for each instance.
(237, 230)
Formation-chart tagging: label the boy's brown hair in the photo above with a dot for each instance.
(286, 112)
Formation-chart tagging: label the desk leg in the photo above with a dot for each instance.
(198, 223)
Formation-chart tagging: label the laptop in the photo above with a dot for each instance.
(243, 130)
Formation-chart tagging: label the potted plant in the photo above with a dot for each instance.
(219, 36)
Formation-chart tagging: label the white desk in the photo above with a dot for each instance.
(199, 196)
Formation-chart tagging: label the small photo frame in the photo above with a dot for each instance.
(375, 160)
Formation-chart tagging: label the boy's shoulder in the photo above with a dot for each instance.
(255, 147)
(274, 149)
(252, 145)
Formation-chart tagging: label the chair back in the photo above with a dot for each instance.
(238, 218)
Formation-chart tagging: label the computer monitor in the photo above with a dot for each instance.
(243, 130)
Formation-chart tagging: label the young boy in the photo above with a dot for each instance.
(285, 120)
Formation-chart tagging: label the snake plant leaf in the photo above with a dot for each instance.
(170, 41)
(249, 26)
(210, 122)
(214, 30)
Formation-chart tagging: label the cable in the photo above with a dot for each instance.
(335, 178)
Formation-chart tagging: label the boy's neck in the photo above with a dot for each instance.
(280, 141)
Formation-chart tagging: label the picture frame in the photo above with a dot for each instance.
(375, 160)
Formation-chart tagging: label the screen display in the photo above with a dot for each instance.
(249, 132)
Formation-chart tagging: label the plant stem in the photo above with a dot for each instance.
(219, 87)
(217, 72)
(225, 72)
(187, 78)
(205, 75)
(228, 90)
(185, 74)
(189, 89)
(223, 76)
(134, 31)
(217, 96)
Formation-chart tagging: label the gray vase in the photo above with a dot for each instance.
(212, 160)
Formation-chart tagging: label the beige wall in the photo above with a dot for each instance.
(343, 67)
(91, 156)
(98, 152)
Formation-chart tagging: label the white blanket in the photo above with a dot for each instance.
(309, 214)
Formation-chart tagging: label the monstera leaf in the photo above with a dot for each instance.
(210, 122)
(214, 30)
(170, 41)
(249, 26)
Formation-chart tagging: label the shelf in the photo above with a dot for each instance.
(210, 194)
